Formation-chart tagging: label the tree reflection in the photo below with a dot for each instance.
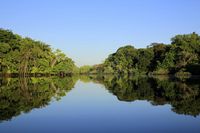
(182, 95)
(19, 95)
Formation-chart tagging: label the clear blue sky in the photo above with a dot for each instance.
(89, 30)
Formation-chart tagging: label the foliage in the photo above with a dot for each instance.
(25, 55)
(158, 58)
(85, 69)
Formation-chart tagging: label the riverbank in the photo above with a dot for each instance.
(34, 75)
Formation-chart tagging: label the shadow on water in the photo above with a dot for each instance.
(21, 95)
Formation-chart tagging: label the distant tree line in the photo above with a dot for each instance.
(181, 57)
(25, 56)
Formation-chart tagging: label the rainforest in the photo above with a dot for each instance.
(41, 85)
(99, 66)
(27, 57)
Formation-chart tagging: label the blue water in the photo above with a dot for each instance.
(89, 108)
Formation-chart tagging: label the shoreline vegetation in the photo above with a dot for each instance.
(25, 57)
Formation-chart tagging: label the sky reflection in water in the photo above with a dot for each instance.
(99, 104)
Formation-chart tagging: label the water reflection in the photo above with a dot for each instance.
(19, 95)
(183, 95)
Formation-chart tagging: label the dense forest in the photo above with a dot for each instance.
(25, 56)
(181, 57)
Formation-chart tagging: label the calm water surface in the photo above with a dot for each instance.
(99, 104)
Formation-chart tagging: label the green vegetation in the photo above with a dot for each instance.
(85, 69)
(181, 57)
(96, 69)
(25, 56)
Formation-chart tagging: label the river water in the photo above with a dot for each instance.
(105, 104)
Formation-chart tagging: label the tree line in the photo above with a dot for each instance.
(181, 57)
(25, 56)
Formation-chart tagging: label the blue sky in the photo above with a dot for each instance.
(89, 30)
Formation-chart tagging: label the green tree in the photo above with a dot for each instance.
(25, 56)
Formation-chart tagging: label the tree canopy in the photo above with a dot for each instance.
(182, 57)
(25, 55)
